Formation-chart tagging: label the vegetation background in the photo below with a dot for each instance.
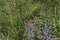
(14, 13)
